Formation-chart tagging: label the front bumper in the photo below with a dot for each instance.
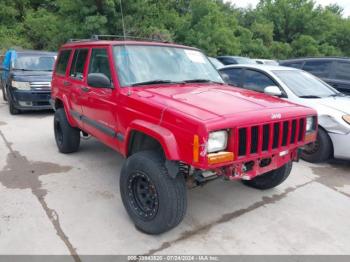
(341, 145)
(248, 169)
(31, 99)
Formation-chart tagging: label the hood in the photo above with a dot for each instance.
(32, 76)
(337, 103)
(211, 101)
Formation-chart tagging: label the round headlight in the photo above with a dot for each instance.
(21, 85)
(217, 141)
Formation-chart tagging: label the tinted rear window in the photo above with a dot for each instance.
(318, 68)
(62, 62)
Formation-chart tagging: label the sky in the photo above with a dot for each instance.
(343, 3)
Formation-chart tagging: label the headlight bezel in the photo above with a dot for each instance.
(20, 85)
(214, 144)
(311, 124)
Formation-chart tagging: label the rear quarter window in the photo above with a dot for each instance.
(62, 62)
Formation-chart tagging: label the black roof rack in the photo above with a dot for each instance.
(118, 37)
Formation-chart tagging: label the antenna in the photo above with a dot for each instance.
(121, 10)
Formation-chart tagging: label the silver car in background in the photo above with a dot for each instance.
(298, 86)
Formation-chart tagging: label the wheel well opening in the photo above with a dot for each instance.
(141, 142)
(332, 146)
(58, 104)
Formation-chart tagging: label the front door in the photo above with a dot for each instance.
(99, 104)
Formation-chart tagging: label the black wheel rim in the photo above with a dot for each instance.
(58, 132)
(143, 196)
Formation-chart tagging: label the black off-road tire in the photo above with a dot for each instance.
(270, 179)
(164, 203)
(319, 151)
(67, 137)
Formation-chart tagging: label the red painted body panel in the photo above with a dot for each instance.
(173, 114)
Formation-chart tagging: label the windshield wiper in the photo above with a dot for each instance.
(21, 69)
(309, 96)
(155, 82)
(24, 69)
(201, 81)
(337, 94)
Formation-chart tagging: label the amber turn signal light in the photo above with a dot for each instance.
(221, 157)
(195, 148)
(310, 137)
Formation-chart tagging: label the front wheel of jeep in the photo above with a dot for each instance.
(67, 137)
(154, 201)
(271, 179)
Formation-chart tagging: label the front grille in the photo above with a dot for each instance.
(263, 138)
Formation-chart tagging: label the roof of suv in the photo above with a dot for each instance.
(115, 42)
(315, 58)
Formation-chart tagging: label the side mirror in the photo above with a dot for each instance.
(99, 80)
(273, 91)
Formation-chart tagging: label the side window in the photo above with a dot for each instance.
(228, 61)
(318, 68)
(293, 64)
(232, 76)
(99, 62)
(256, 81)
(78, 63)
(343, 71)
(62, 62)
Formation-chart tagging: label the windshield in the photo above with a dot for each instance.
(34, 63)
(162, 64)
(304, 84)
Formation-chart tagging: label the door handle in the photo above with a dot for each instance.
(85, 89)
(67, 83)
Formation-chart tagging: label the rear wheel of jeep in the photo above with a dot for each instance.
(271, 179)
(320, 150)
(67, 137)
(154, 201)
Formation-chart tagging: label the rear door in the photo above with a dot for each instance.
(341, 79)
(100, 104)
(75, 82)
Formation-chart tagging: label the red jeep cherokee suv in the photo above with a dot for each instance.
(166, 109)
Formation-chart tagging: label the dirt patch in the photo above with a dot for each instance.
(335, 176)
(20, 173)
(105, 194)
